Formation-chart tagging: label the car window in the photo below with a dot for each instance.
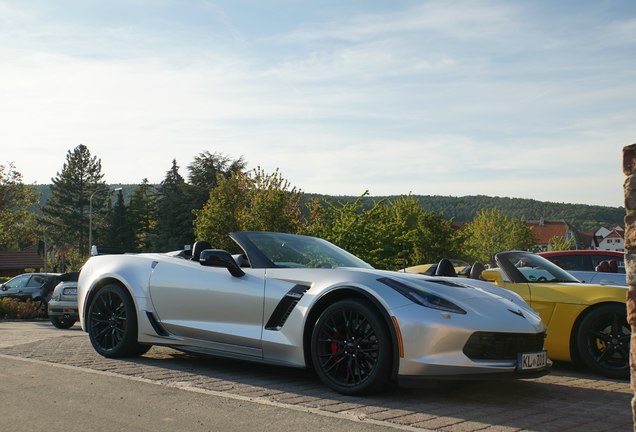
(597, 259)
(572, 262)
(36, 281)
(621, 265)
(18, 281)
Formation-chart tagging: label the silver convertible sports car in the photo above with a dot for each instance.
(300, 301)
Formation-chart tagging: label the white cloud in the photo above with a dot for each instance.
(453, 100)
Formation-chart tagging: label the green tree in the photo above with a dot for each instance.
(17, 221)
(349, 225)
(272, 203)
(174, 212)
(413, 235)
(492, 232)
(121, 232)
(248, 201)
(66, 212)
(219, 215)
(143, 215)
(204, 171)
(386, 234)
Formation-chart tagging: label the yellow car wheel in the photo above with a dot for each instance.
(603, 339)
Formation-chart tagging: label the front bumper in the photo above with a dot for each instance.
(474, 345)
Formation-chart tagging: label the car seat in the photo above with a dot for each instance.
(476, 269)
(199, 246)
(445, 268)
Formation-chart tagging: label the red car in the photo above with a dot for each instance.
(591, 266)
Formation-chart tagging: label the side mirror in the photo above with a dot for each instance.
(220, 258)
(3, 287)
(492, 276)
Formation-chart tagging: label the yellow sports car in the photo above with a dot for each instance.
(586, 322)
(459, 266)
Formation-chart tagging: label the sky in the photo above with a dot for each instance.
(527, 99)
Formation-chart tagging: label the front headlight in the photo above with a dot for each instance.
(422, 297)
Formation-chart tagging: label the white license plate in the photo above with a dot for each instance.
(70, 291)
(530, 361)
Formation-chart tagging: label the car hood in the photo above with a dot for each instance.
(454, 289)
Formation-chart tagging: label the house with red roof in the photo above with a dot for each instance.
(13, 263)
(544, 231)
(610, 239)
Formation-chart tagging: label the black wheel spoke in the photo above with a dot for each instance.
(603, 340)
(599, 335)
(109, 320)
(347, 348)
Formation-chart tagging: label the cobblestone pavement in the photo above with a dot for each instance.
(567, 399)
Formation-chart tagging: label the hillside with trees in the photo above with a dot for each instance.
(218, 194)
(466, 208)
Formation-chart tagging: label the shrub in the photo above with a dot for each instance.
(16, 309)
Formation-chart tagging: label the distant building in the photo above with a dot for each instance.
(610, 239)
(545, 231)
(15, 263)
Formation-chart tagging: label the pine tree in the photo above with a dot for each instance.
(121, 234)
(143, 215)
(66, 214)
(174, 212)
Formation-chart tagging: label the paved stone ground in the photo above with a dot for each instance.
(567, 399)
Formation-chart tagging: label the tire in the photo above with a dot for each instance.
(351, 348)
(602, 340)
(112, 323)
(63, 323)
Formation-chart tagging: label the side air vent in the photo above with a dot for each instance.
(285, 307)
(155, 325)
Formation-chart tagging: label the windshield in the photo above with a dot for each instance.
(271, 249)
(527, 267)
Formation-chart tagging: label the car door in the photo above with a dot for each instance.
(209, 304)
(16, 287)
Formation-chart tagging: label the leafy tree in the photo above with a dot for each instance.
(174, 212)
(17, 221)
(66, 213)
(204, 171)
(143, 213)
(415, 236)
(248, 201)
(272, 204)
(388, 234)
(347, 224)
(219, 215)
(492, 232)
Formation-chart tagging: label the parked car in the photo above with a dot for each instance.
(63, 304)
(591, 266)
(586, 322)
(301, 301)
(36, 287)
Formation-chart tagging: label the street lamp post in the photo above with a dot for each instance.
(90, 216)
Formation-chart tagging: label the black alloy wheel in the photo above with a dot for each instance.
(350, 348)
(603, 340)
(112, 323)
(62, 323)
